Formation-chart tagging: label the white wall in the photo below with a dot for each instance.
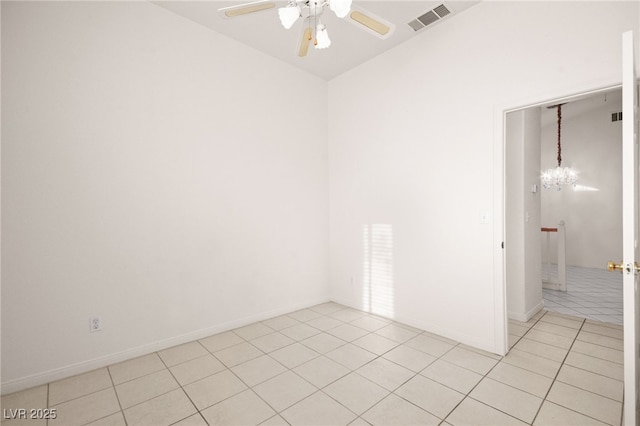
(146, 178)
(411, 144)
(522, 217)
(532, 213)
(514, 218)
(592, 144)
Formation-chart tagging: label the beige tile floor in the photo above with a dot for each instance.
(331, 365)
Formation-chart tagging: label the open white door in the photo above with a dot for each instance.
(630, 228)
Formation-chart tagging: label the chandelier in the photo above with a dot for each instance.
(560, 176)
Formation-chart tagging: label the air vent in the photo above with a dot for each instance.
(441, 10)
(416, 25)
(429, 18)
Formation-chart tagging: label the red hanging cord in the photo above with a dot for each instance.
(559, 146)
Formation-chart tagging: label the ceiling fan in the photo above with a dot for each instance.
(310, 11)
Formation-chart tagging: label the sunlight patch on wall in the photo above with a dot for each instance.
(582, 188)
(377, 269)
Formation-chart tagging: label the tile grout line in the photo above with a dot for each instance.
(486, 376)
(411, 378)
(556, 379)
(492, 368)
(351, 371)
(397, 344)
(179, 387)
(278, 413)
(77, 397)
(227, 368)
(117, 397)
(592, 372)
(526, 332)
(558, 372)
(428, 378)
(601, 359)
(468, 394)
(597, 344)
(324, 355)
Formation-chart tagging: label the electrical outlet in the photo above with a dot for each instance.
(95, 324)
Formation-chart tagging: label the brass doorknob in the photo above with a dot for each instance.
(612, 266)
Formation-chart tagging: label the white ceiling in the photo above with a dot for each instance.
(350, 45)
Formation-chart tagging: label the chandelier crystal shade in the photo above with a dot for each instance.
(559, 176)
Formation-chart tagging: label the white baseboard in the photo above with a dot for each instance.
(463, 338)
(552, 286)
(23, 383)
(526, 316)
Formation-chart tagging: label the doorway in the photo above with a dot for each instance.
(591, 135)
(591, 143)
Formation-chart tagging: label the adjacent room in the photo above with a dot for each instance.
(588, 211)
(207, 219)
(572, 227)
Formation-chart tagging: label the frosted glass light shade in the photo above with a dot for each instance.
(288, 15)
(340, 7)
(322, 37)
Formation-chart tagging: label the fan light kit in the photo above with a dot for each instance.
(310, 11)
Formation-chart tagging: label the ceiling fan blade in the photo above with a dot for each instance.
(371, 23)
(243, 9)
(305, 40)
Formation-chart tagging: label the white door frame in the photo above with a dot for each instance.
(630, 226)
(499, 205)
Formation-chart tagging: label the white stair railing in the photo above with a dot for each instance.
(561, 283)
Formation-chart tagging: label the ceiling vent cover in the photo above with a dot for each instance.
(429, 18)
(441, 10)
